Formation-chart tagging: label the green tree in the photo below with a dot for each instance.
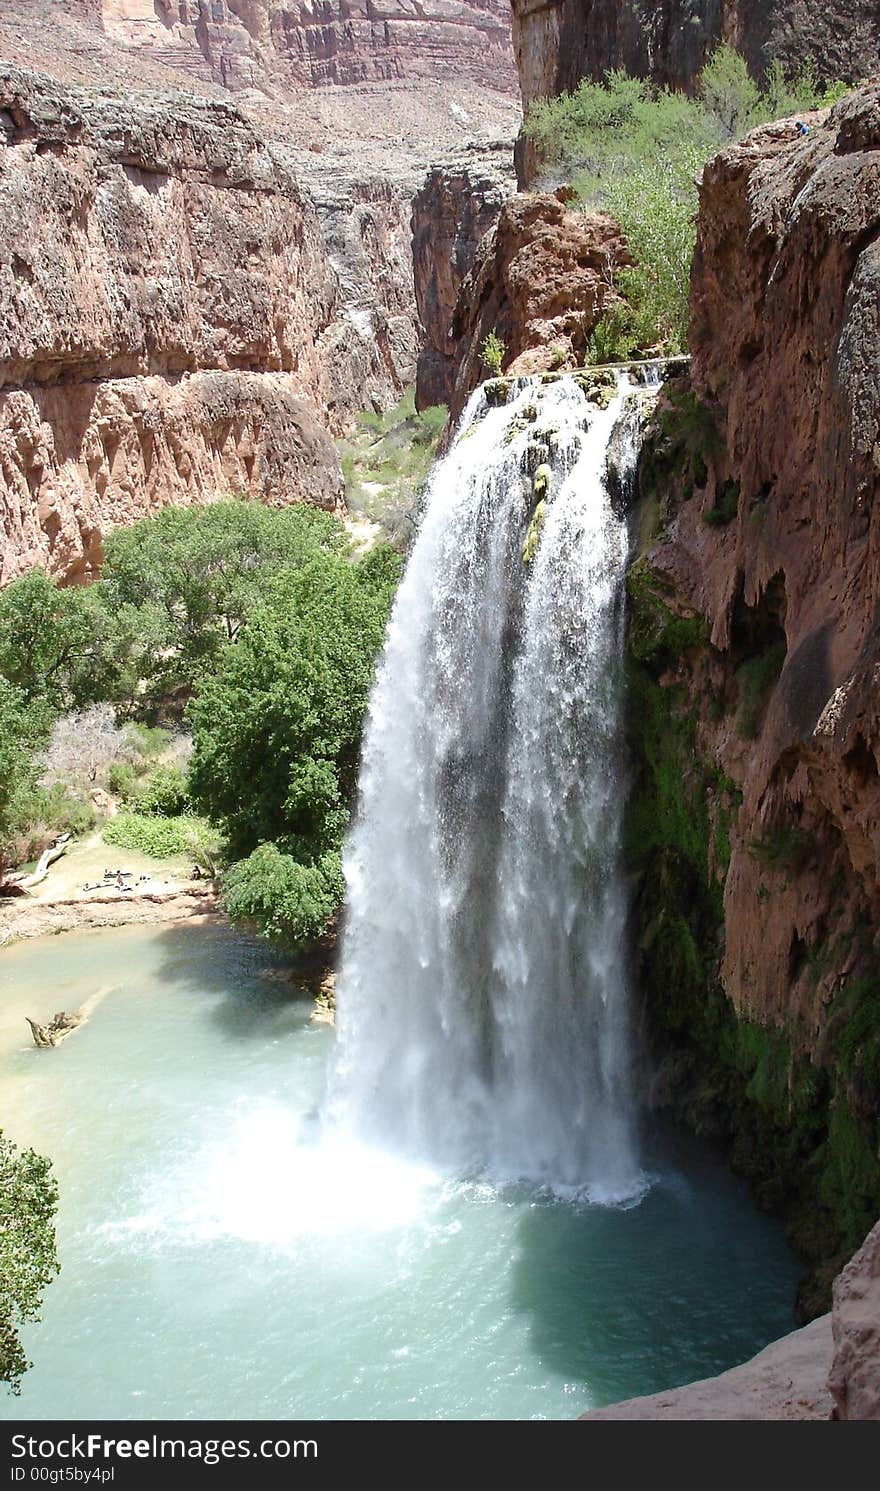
(54, 641)
(28, 1261)
(181, 584)
(276, 735)
(23, 726)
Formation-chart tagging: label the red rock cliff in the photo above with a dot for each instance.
(756, 611)
(169, 320)
(272, 44)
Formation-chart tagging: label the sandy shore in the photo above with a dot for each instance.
(21, 918)
(163, 891)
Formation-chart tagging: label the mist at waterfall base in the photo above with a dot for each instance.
(457, 1224)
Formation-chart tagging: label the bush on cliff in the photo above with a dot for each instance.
(635, 151)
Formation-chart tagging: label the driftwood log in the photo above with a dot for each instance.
(18, 885)
(59, 1026)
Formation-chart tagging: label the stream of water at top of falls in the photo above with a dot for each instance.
(483, 1008)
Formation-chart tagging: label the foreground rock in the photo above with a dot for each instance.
(541, 279)
(855, 1374)
(788, 1380)
(755, 711)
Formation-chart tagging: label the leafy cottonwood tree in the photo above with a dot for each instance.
(182, 583)
(54, 641)
(276, 736)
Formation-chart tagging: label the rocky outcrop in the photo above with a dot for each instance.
(559, 42)
(541, 279)
(173, 318)
(755, 711)
(855, 1372)
(451, 214)
(274, 45)
(786, 1381)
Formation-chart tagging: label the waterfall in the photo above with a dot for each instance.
(483, 1014)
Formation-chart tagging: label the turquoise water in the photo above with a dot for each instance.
(220, 1261)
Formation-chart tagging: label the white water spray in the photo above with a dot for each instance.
(483, 1011)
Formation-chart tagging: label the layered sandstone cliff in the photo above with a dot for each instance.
(559, 42)
(171, 325)
(273, 45)
(755, 820)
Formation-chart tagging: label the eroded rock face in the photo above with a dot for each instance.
(855, 1373)
(541, 279)
(784, 305)
(271, 45)
(452, 213)
(756, 611)
(171, 324)
(559, 42)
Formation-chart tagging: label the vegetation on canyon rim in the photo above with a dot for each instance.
(636, 151)
(255, 627)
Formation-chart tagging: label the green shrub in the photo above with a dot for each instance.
(148, 740)
(493, 351)
(635, 151)
(163, 794)
(290, 902)
(726, 506)
(122, 779)
(612, 338)
(53, 810)
(160, 838)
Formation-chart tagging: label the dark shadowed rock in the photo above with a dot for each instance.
(451, 214)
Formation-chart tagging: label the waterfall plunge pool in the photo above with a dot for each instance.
(219, 1261)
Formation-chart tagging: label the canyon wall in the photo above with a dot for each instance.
(559, 42)
(755, 661)
(171, 324)
(451, 214)
(275, 45)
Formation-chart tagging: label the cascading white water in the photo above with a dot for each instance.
(482, 1002)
